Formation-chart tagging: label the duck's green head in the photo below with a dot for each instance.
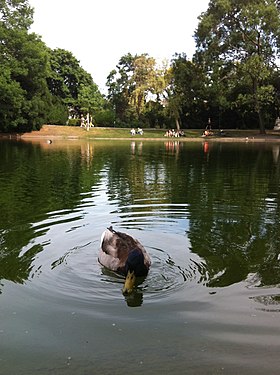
(134, 267)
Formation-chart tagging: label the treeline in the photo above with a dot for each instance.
(232, 79)
(39, 85)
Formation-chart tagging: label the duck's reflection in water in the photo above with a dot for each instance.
(134, 299)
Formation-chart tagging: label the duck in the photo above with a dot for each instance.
(125, 255)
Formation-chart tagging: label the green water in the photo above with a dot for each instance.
(208, 214)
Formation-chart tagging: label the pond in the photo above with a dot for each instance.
(207, 213)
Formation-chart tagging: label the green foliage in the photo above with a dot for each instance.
(136, 81)
(74, 122)
(89, 98)
(68, 81)
(232, 77)
(38, 85)
(57, 113)
(187, 91)
(11, 101)
(237, 44)
(105, 117)
(16, 14)
(66, 75)
(24, 93)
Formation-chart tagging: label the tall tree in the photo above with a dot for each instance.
(69, 82)
(120, 88)
(66, 75)
(23, 63)
(90, 99)
(143, 81)
(16, 14)
(241, 39)
(134, 84)
(186, 91)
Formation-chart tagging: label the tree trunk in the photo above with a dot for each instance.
(258, 107)
(177, 123)
(261, 123)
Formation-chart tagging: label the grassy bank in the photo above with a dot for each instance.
(101, 133)
(68, 132)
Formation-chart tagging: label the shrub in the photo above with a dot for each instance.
(104, 118)
(74, 122)
(57, 113)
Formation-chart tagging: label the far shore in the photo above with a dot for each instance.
(52, 132)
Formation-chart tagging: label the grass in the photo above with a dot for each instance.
(96, 132)
(65, 132)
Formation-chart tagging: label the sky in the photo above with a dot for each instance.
(100, 32)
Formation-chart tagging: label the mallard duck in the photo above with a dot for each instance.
(125, 255)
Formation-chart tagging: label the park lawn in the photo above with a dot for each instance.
(63, 131)
(76, 132)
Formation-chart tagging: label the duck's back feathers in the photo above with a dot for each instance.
(115, 248)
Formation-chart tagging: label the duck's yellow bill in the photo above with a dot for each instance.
(129, 282)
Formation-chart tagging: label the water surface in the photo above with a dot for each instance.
(208, 214)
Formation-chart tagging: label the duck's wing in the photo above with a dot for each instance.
(115, 247)
(147, 259)
(126, 243)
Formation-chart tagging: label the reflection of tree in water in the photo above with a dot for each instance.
(16, 267)
(232, 199)
(36, 181)
(269, 302)
(232, 227)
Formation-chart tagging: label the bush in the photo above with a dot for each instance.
(57, 113)
(104, 118)
(74, 122)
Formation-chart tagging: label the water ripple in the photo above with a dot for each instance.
(77, 278)
(152, 215)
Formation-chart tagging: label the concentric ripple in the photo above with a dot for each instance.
(78, 280)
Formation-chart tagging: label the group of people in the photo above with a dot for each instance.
(173, 133)
(86, 122)
(138, 131)
(207, 133)
(208, 130)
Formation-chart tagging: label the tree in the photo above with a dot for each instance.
(71, 84)
(16, 14)
(24, 95)
(66, 75)
(143, 81)
(240, 39)
(136, 82)
(186, 91)
(90, 100)
(119, 88)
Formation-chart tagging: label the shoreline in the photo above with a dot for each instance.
(62, 132)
